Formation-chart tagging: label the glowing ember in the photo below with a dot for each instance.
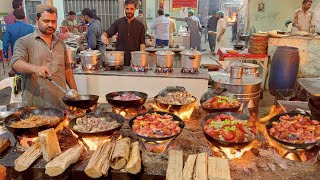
(232, 152)
(27, 141)
(156, 147)
(129, 112)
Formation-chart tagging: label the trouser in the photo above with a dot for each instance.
(234, 36)
(160, 42)
(212, 41)
(205, 33)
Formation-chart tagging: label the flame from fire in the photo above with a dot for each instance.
(233, 153)
(184, 113)
(94, 142)
(281, 149)
(27, 142)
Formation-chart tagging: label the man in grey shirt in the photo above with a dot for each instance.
(212, 26)
(194, 29)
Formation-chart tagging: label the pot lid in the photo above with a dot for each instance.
(164, 52)
(90, 52)
(190, 52)
(139, 52)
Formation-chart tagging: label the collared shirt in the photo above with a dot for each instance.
(14, 32)
(305, 20)
(212, 24)
(161, 26)
(9, 19)
(172, 28)
(72, 23)
(94, 35)
(34, 50)
(130, 36)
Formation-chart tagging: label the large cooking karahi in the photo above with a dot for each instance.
(179, 123)
(29, 122)
(92, 126)
(82, 102)
(230, 142)
(114, 100)
(301, 128)
(174, 99)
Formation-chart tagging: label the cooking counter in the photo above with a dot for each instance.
(102, 82)
(309, 48)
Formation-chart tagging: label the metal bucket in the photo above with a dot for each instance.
(245, 89)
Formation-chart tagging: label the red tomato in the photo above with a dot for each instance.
(239, 136)
(297, 125)
(227, 134)
(224, 116)
(139, 117)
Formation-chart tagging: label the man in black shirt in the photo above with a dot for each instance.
(131, 32)
(212, 26)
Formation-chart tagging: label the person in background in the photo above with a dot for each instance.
(71, 21)
(95, 15)
(94, 33)
(304, 18)
(9, 19)
(15, 31)
(131, 32)
(220, 33)
(81, 21)
(235, 29)
(202, 20)
(161, 26)
(143, 20)
(40, 55)
(212, 27)
(194, 29)
(172, 29)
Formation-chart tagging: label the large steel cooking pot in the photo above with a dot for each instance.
(139, 58)
(114, 58)
(90, 58)
(71, 54)
(164, 59)
(190, 59)
(251, 69)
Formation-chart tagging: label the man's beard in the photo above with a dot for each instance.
(44, 31)
(129, 15)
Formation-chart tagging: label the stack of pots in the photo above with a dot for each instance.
(164, 59)
(190, 59)
(258, 44)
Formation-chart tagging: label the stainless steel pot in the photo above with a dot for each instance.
(236, 72)
(114, 58)
(190, 59)
(139, 58)
(164, 59)
(89, 58)
(72, 55)
(251, 69)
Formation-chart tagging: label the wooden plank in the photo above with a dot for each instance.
(218, 168)
(188, 169)
(201, 168)
(175, 165)
(24, 161)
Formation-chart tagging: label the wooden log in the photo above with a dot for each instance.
(134, 163)
(49, 144)
(59, 164)
(188, 170)
(121, 153)
(175, 165)
(218, 168)
(201, 168)
(24, 161)
(4, 144)
(104, 169)
(98, 159)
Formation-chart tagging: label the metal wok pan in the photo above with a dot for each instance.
(291, 114)
(126, 104)
(24, 114)
(148, 139)
(108, 132)
(82, 102)
(221, 142)
(216, 92)
(173, 107)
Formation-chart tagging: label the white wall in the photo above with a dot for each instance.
(60, 7)
(5, 6)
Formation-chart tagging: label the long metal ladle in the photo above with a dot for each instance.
(70, 93)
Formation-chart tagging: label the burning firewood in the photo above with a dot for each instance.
(49, 144)
(121, 153)
(134, 163)
(175, 165)
(99, 158)
(24, 161)
(4, 144)
(201, 168)
(188, 169)
(59, 164)
(218, 168)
